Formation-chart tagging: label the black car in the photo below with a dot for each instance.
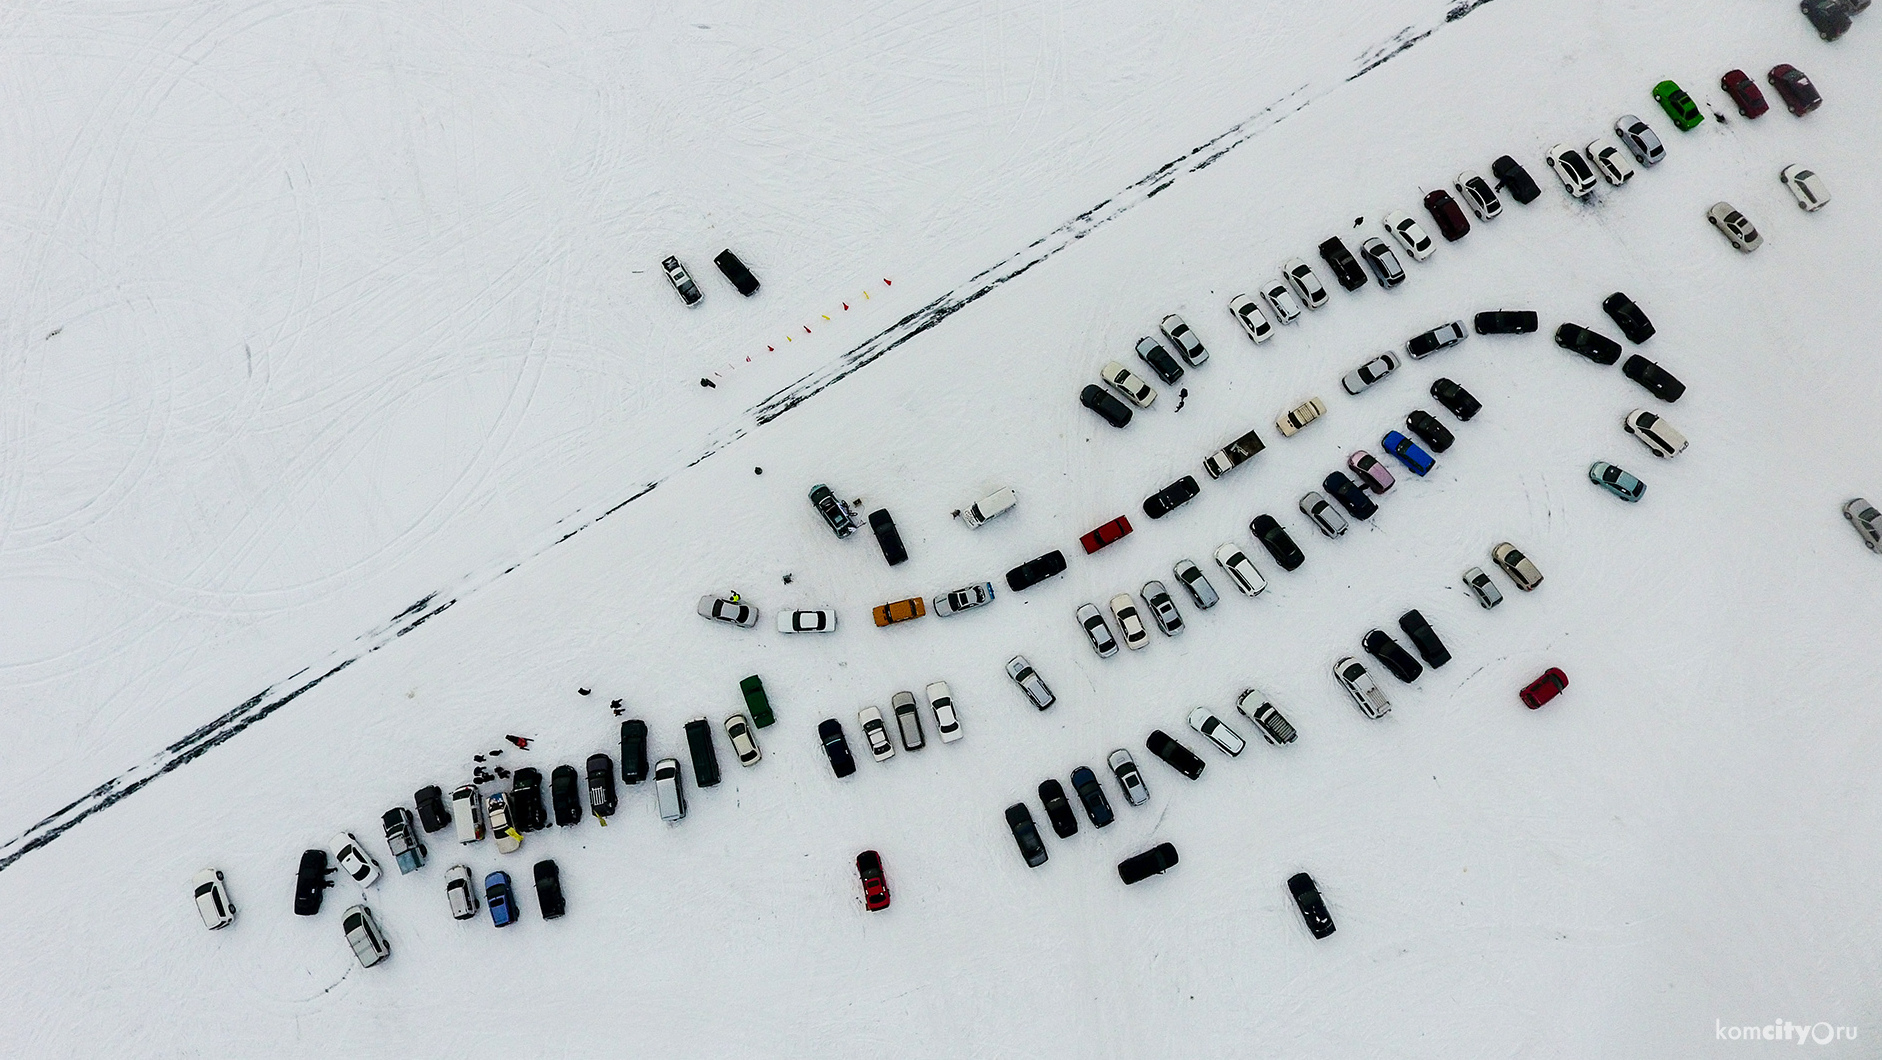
(1506, 322)
(565, 793)
(1380, 645)
(311, 883)
(433, 814)
(1100, 401)
(1346, 268)
(526, 809)
(1630, 318)
(705, 758)
(736, 271)
(1147, 864)
(549, 889)
(1058, 809)
(1459, 401)
(1829, 17)
(1351, 497)
(1513, 178)
(1590, 344)
(1026, 834)
(1655, 378)
(601, 785)
(1430, 430)
(1312, 909)
(1097, 806)
(633, 750)
(842, 763)
(842, 521)
(1159, 360)
(1034, 571)
(1424, 638)
(1275, 540)
(1171, 497)
(1180, 758)
(890, 539)
(1441, 337)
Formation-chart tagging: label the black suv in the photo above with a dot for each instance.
(1171, 497)
(890, 539)
(842, 763)
(1382, 647)
(633, 751)
(311, 883)
(1147, 864)
(1058, 809)
(1513, 178)
(601, 785)
(1100, 401)
(1424, 638)
(1506, 322)
(736, 271)
(565, 792)
(526, 800)
(1026, 834)
(1097, 806)
(1630, 318)
(1454, 397)
(1312, 909)
(1590, 344)
(549, 889)
(1180, 758)
(1272, 537)
(1656, 379)
(842, 521)
(1034, 571)
(1345, 267)
(432, 812)
(705, 759)
(1436, 436)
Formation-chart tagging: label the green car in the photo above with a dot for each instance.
(1678, 105)
(756, 701)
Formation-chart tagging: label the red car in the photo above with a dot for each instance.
(1744, 92)
(1545, 688)
(1449, 216)
(1799, 94)
(875, 887)
(1109, 533)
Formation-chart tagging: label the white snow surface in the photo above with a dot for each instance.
(317, 310)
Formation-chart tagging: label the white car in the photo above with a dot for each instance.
(1091, 620)
(1241, 570)
(963, 599)
(1129, 622)
(1267, 718)
(1640, 139)
(1366, 693)
(669, 789)
(1735, 227)
(212, 899)
(350, 854)
(1253, 320)
(1572, 170)
(467, 813)
(1655, 433)
(1196, 582)
(1128, 383)
(1188, 346)
(459, 892)
(1481, 587)
(1124, 768)
(1323, 514)
(807, 620)
(731, 612)
(1281, 301)
(993, 505)
(1205, 722)
(1300, 416)
(870, 718)
(1610, 162)
(744, 745)
(365, 936)
(946, 721)
(1307, 286)
(1867, 521)
(1473, 189)
(1030, 682)
(1806, 187)
(502, 831)
(1410, 234)
(1362, 377)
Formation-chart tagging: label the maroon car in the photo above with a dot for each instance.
(1109, 533)
(1545, 688)
(1798, 93)
(1744, 92)
(1449, 216)
(875, 886)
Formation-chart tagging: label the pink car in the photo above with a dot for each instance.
(1372, 474)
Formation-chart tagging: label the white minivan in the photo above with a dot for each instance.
(467, 812)
(670, 788)
(997, 503)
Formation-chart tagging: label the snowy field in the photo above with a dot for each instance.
(336, 340)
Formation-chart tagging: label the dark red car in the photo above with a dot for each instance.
(1109, 533)
(1798, 93)
(1545, 688)
(875, 887)
(1744, 92)
(1449, 216)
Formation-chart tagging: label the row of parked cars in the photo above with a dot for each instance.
(906, 717)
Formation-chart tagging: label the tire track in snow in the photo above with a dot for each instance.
(276, 696)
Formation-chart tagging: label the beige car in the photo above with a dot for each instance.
(1300, 416)
(1655, 433)
(1129, 622)
(1128, 383)
(738, 730)
(1517, 566)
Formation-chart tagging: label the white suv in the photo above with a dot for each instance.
(1366, 693)
(212, 899)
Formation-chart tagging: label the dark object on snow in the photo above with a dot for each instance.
(1147, 864)
(565, 793)
(1312, 909)
(311, 884)
(526, 801)
(583, 691)
(705, 759)
(520, 741)
(601, 797)
(758, 471)
(736, 271)
(432, 812)
(887, 537)
(549, 889)
(633, 751)
(703, 381)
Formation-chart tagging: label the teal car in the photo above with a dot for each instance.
(1678, 105)
(1616, 481)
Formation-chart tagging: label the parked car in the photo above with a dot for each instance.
(1659, 436)
(1313, 910)
(1476, 191)
(351, 856)
(365, 936)
(1100, 401)
(1799, 95)
(1351, 497)
(1481, 587)
(1300, 416)
(738, 732)
(807, 621)
(1187, 344)
(1416, 460)
(549, 890)
(1658, 381)
(1281, 301)
(882, 524)
(408, 851)
(602, 801)
(1029, 682)
(1735, 227)
(946, 721)
(992, 506)
(633, 751)
(1034, 571)
(1124, 768)
(1424, 638)
(1608, 161)
(1254, 321)
(681, 280)
(1616, 481)
(1678, 106)
(1129, 383)
(502, 829)
(1366, 693)
(720, 609)
(1171, 497)
(1180, 758)
(669, 788)
(900, 611)
(1130, 625)
(433, 814)
(1520, 568)
(705, 756)
(498, 897)
(1380, 645)
(1153, 354)
(1830, 18)
(875, 884)
(1204, 721)
(1097, 807)
(565, 794)
(1552, 683)
(757, 702)
(1026, 834)
(1442, 337)
(1307, 286)
(311, 882)
(835, 511)
(735, 271)
(1240, 570)
(1410, 235)
(1370, 473)
(1805, 186)
(1106, 534)
(1461, 403)
(1196, 582)
(1430, 430)
(966, 598)
(211, 892)
(1323, 514)
(875, 733)
(1868, 522)
(467, 812)
(1058, 809)
(1628, 316)
(1346, 269)
(1590, 344)
(1744, 92)
(907, 721)
(1513, 178)
(1162, 609)
(1362, 377)
(1452, 224)
(1275, 539)
(1153, 862)
(1640, 139)
(836, 747)
(1233, 455)
(1506, 322)
(1268, 719)
(1572, 170)
(1384, 263)
(460, 893)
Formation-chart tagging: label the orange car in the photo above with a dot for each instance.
(901, 611)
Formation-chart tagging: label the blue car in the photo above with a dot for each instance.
(497, 897)
(1616, 481)
(1416, 460)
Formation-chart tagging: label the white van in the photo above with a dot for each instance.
(670, 788)
(467, 812)
(997, 503)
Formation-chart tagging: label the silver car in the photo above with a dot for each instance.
(1481, 587)
(1362, 377)
(1366, 693)
(1129, 622)
(1204, 721)
(1162, 609)
(1384, 263)
(1867, 521)
(946, 721)
(963, 599)
(1188, 346)
(365, 936)
(1273, 725)
(1323, 514)
(1124, 768)
(1307, 286)
(669, 790)
(1655, 433)
(1640, 139)
(459, 892)
(1249, 314)
(1518, 566)
(907, 721)
(731, 612)
(1806, 187)
(1197, 583)
(1091, 620)
(1241, 570)
(1029, 682)
(1735, 227)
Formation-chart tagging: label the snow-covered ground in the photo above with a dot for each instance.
(319, 311)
